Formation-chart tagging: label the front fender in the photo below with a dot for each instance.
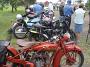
(60, 53)
(15, 24)
(13, 51)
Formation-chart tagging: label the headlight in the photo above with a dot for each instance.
(19, 17)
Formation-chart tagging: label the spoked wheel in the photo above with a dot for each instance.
(10, 64)
(20, 31)
(75, 59)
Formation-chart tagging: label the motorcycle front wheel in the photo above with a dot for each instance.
(76, 59)
(19, 31)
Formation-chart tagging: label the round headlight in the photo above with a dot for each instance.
(19, 17)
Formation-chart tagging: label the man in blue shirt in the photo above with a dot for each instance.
(37, 8)
(68, 11)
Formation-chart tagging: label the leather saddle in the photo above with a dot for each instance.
(25, 43)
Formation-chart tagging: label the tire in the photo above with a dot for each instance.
(9, 53)
(81, 60)
(19, 31)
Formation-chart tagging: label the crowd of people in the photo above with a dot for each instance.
(39, 7)
(66, 10)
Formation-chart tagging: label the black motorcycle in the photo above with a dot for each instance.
(21, 27)
(48, 30)
(63, 25)
(41, 30)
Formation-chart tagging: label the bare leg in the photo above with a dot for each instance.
(78, 37)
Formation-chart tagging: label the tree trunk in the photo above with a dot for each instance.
(15, 8)
(2, 6)
(12, 8)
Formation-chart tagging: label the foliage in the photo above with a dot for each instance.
(3, 3)
(6, 16)
(28, 2)
(87, 5)
(15, 3)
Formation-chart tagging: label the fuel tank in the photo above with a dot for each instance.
(45, 46)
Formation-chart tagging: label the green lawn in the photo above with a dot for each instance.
(85, 48)
(6, 16)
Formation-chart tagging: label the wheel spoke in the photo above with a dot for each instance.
(75, 60)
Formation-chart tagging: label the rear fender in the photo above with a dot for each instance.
(13, 51)
(60, 53)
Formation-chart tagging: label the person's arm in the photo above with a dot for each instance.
(84, 14)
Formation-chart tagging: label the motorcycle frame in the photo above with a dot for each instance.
(60, 49)
(16, 58)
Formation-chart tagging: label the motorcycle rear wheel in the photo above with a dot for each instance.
(78, 56)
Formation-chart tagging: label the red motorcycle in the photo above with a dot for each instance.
(44, 54)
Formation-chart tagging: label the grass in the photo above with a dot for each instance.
(86, 49)
(6, 16)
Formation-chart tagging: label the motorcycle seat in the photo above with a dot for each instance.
(24, 43)
(39, 26)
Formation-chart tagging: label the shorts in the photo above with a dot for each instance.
(78, 28)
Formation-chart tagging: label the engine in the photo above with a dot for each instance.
(40, 59)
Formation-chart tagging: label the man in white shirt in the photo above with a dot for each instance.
(50, 6)
(79, 20)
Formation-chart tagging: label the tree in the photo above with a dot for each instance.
(3, 3)
(28, 2)
(89, 4)
(14, 3)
